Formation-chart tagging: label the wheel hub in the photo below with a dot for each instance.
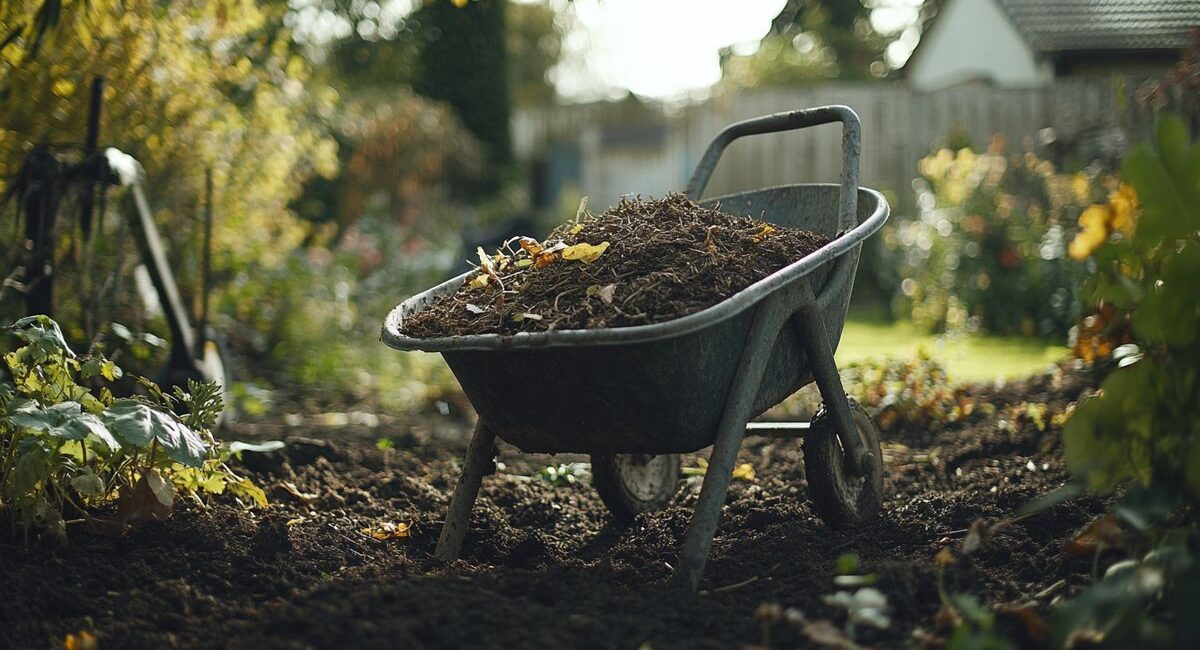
(644, 476)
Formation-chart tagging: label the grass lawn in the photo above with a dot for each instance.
(967, 358)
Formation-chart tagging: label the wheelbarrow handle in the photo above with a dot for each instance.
(788, 121)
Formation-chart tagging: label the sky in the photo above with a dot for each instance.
(670, 49)
(657, 48)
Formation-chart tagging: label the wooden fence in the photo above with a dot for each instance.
(630, 148)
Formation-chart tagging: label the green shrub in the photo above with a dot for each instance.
(987, 249)
(66, 448)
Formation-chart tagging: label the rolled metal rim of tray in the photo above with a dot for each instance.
(727, 308)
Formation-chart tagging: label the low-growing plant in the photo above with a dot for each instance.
(68, 446)
(912, 393)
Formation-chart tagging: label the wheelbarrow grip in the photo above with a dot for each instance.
(788, 121)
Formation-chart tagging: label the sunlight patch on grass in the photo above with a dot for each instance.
(967, 358)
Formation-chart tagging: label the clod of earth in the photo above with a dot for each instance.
(639, 263)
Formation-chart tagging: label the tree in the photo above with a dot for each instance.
(811, 40)
(463, 61)
(534, 47)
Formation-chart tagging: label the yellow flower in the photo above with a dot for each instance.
(1123, 204)
(1081, 187)
(1094, 229)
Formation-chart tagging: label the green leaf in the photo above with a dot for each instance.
(43, 333)
(64, 420)
(101, 366)
(1165, 212)
(1173, 139)
(246, 489)
(136, 424)
(1169, 312)
(1107, 436)
(89, 485)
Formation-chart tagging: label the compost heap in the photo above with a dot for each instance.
(640, 262)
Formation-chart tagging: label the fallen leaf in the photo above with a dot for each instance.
(1104, 531)
(485, 261)
(531, 246)
(480, 281)
(531, 316)
(523, 263)
(388, 530)
(765, 230)
(744, 472)
(605, 293)
(83, 641)
(585, 252)
(576, 228)
(475, 309)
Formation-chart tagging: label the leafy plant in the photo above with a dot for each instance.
(564, 474)
(66, 448)
(1142, 429)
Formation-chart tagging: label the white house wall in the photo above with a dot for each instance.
(973, 40)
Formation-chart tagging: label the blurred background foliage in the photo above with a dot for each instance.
(347, 163)
(986, 247)
(360, 149)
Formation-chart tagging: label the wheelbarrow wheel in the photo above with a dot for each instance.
(840, 498)
(633, 483)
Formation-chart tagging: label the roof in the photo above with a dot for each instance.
(1064, 25)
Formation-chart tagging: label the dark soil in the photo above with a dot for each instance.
(545, 566)
(665, 259)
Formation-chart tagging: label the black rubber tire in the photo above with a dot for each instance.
(624, 500)
(841, 500)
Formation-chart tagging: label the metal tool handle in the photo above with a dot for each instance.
(788, 121)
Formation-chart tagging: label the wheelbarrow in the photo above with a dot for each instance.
(635, 398)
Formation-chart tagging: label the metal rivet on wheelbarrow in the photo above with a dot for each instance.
(625, 395)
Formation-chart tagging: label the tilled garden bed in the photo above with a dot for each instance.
(544, 565)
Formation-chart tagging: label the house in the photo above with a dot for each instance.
(1032, 42)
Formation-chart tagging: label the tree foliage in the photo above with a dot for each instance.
(190, 85)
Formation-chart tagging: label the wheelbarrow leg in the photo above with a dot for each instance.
(819, 349)
(477, 463)
(768, 319)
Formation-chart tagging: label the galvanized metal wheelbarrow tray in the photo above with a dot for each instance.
(688, 383)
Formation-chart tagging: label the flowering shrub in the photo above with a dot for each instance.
(988, 247)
